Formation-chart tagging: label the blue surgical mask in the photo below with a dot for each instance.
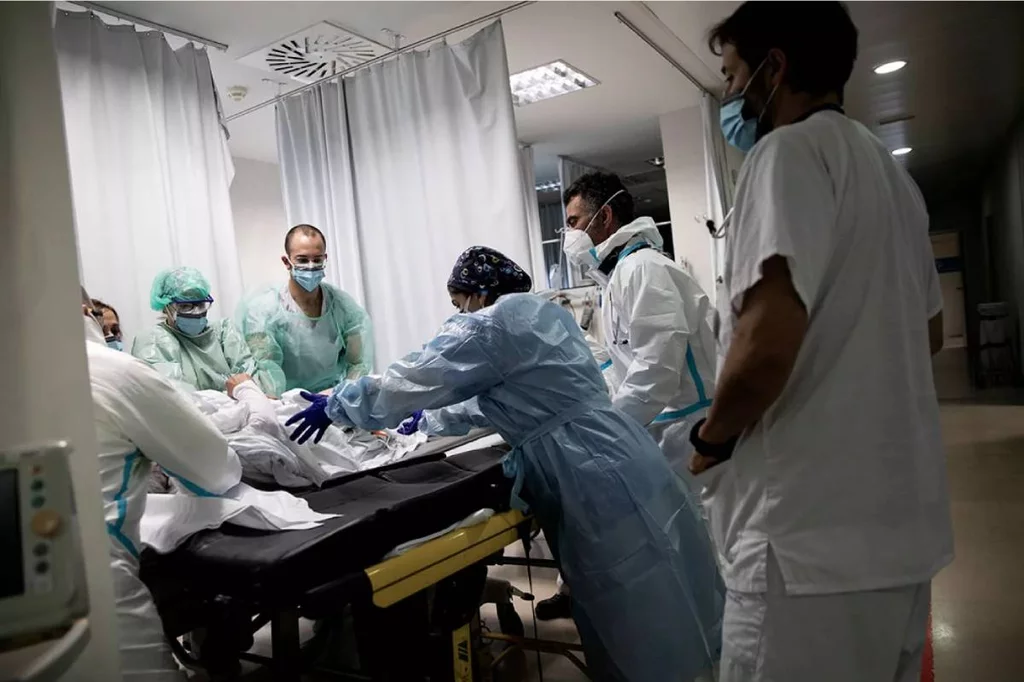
(191, 326)
(116, 344)
(739, 131)
(308, 279)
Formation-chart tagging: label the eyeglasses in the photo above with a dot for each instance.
(191, 308)
(304, 263)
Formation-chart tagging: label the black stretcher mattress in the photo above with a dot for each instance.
(379, 509)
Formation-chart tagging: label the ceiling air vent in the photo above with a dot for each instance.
(314, 53)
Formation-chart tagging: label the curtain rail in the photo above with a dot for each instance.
(664, 55)
(376, 60)
(117, 14)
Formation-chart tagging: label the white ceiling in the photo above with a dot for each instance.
(964, 82)
(614, 125)
(963, 85)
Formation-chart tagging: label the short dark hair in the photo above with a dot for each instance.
(818, 38)
(597, 188)
(101, 306)
(307, 230)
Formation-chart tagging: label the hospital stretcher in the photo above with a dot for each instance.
(231, 581)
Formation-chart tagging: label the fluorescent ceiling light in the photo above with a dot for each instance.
(890, 67)
(547, 81)
(548, 186)
(901, 151)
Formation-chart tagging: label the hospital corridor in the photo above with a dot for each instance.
(512, 341)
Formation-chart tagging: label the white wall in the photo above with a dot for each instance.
(682, 140)
(260, 223)
(45, 382)
(1004, 211)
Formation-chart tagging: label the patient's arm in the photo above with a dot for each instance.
(262, 416)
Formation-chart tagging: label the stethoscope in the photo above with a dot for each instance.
(719, 232)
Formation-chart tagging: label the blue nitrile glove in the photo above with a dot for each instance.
(313, 420)
(410, 425)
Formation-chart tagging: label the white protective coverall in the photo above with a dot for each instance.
(655, 322)
(140, 419)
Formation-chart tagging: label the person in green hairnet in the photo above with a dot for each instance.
(316, 333)
(185, 346)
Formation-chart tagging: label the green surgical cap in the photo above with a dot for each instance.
(178, 284)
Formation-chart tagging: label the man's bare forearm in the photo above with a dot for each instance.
(750, 383)
(765, 344)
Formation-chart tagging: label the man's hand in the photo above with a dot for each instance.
(700, 463)
(233, 381)
(715, 452)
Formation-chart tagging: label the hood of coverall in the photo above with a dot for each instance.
(641, 229)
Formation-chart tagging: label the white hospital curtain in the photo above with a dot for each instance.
(533, 221)
(435, 170)
(316, 176)
(552, 220)
(721, 162)
(149, 164)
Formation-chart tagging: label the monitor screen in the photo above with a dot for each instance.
(12, 570)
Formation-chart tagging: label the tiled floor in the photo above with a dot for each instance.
(978, 608)
(978, 602)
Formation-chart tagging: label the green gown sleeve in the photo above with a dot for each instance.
(241, 360)
(160, 350)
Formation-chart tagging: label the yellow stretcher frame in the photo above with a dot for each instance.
(403, 576)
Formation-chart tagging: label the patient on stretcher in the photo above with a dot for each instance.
(253, 426)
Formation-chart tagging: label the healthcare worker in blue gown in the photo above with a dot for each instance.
(648, 599)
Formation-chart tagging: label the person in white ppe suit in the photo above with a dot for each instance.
(654, 314)
(141, 419)
(821, 457)
(654, 321)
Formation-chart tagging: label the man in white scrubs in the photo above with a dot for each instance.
(821, 454)
(141, 419)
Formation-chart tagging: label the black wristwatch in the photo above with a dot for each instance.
(720, 451)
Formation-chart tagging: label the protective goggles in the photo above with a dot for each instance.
(192, 308)
(310, 264)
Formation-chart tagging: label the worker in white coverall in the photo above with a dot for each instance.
(654, 321)
(821, 458)
(141, 419)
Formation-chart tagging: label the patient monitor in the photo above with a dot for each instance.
(42, 576)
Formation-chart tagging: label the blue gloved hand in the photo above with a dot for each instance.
(313, 420)
(410, 425)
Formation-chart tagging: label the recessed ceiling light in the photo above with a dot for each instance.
(901, 151)
(657, 161)
(547, 81)
(890, 67)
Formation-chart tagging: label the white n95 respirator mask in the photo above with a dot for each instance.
(579, 249)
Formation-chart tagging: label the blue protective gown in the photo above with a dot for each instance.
(647, 597)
